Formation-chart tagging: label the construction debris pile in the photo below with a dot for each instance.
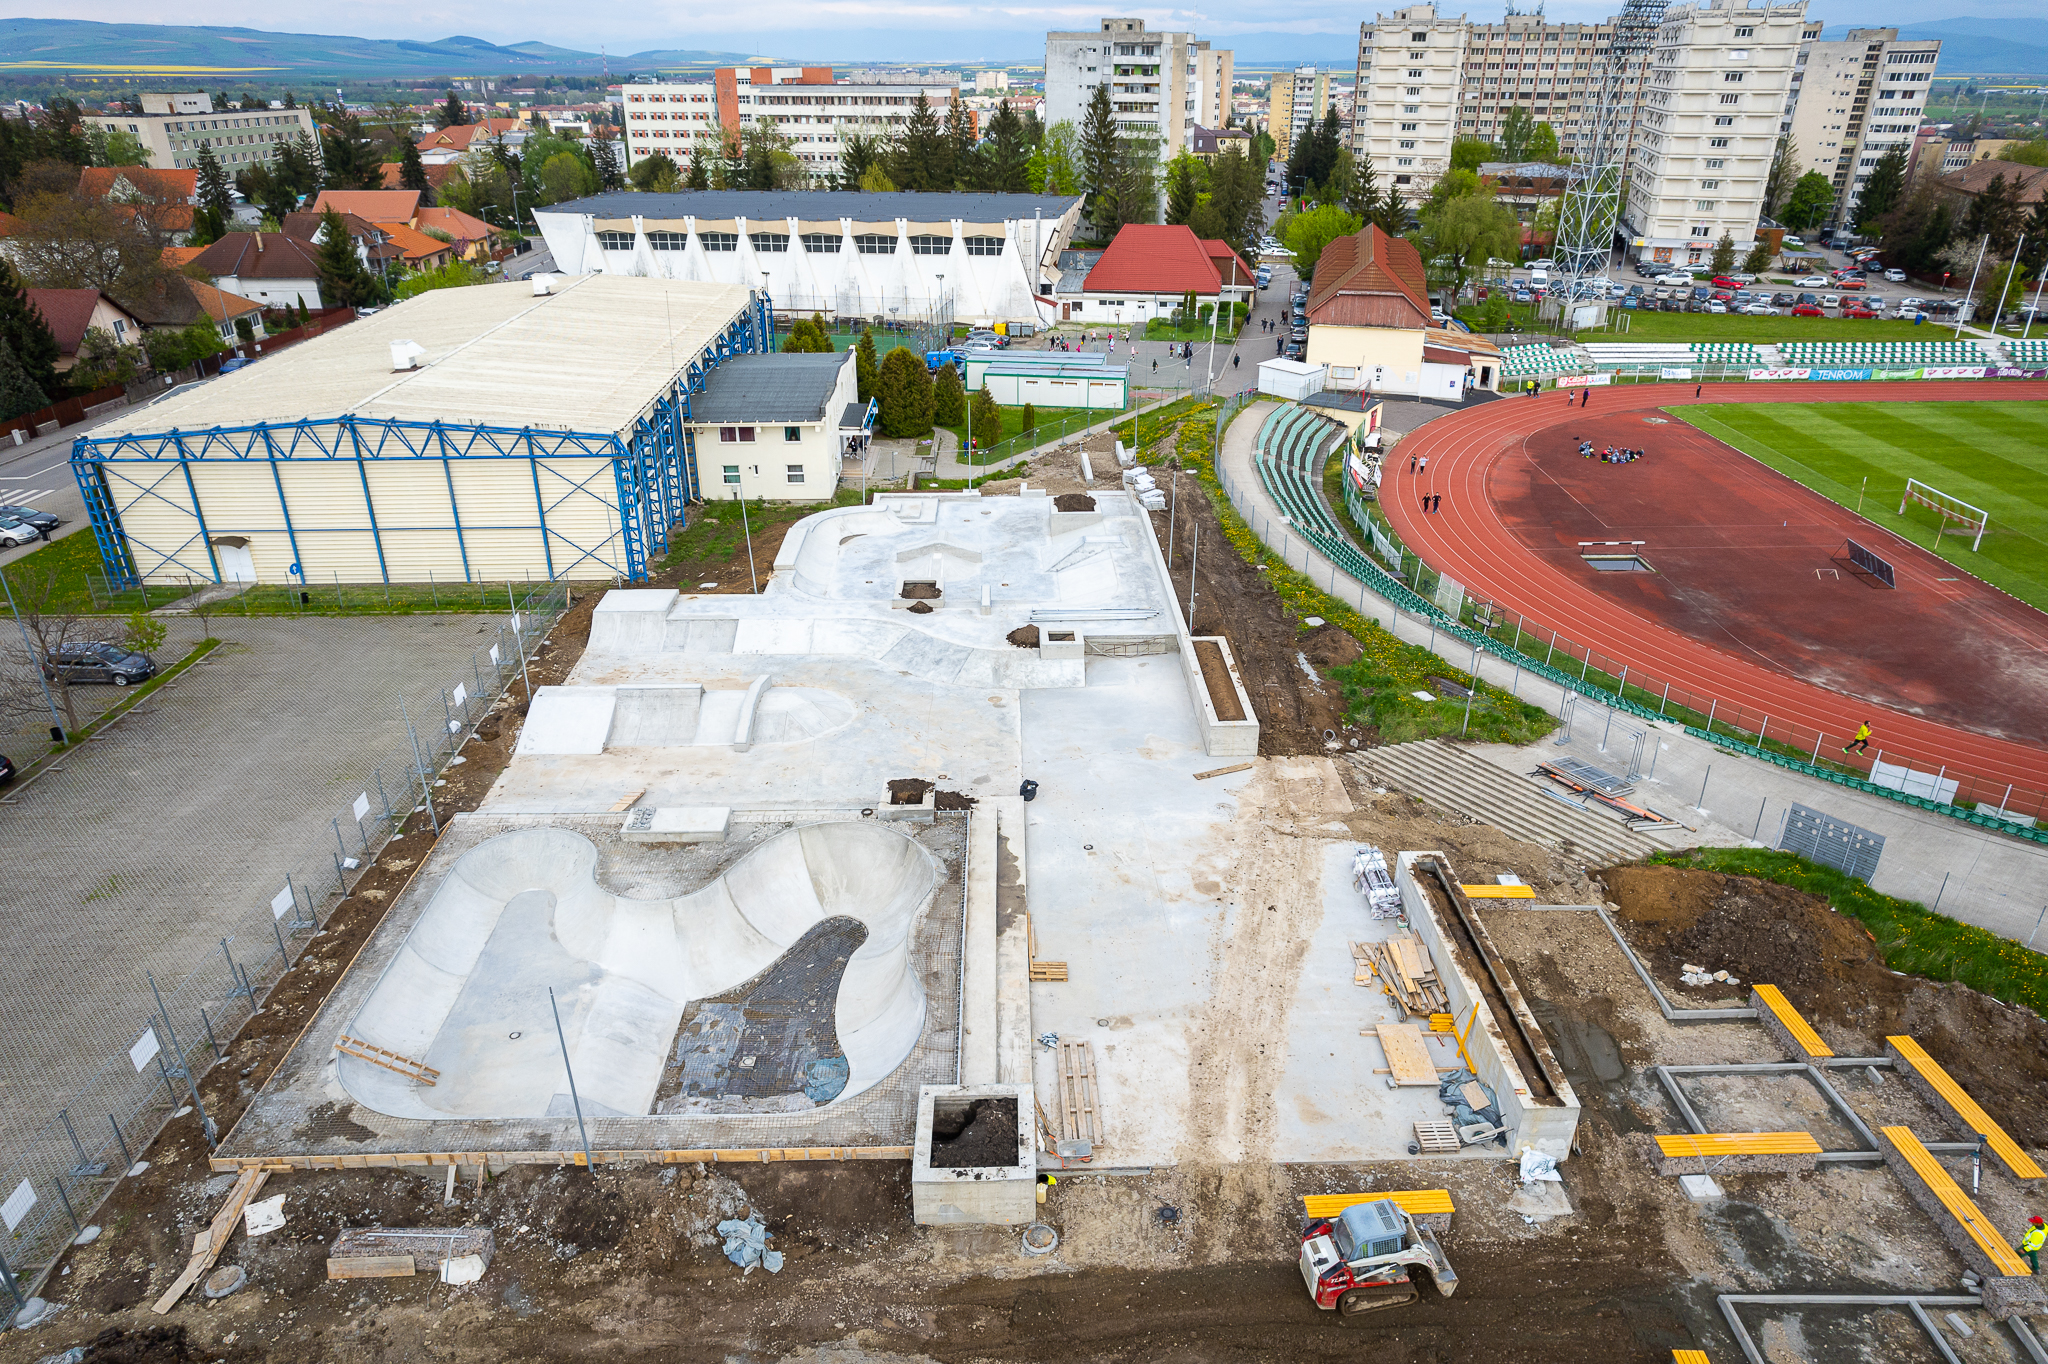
(1406, 972)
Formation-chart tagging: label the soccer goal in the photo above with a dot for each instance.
(1957, 516)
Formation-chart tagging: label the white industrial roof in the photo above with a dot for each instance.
(588, 357)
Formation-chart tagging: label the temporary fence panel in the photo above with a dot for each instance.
(1831, 842)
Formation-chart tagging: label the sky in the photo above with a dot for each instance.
(862, 30)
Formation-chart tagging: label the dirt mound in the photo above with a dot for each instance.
(1830, 967)
(1024, 636)
(921, 591)
(1073, 502)
(1326, 646)
(907, 790)
(953, 800)
(923, 608)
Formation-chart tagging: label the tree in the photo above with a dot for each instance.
(877, 181)
(350, 158)
(700, 174)
(1542, 145)
(808, 337)
(1758, 259)
(75, 241)
(1098, 159)
(1918, 230)
(116, 147)
(1308, 232)
(923, 157)
(1516, 128)
(2030, 153)
(1995, 212)
(857, 152)
(1460, 235)
(1007, 156)
(1028, 418)
(44, 631)
(563, 176)
(1054, 167)
(214, 192)
(864, 367)
(1135, 189)
(412, 173)
(170, 351)
(1807, 206)
(27, 336)
(963, 155)
(451, 114)
(949, 398)
(1883, 190)
(456, 274)
(1455, 184)
(1237, 198)
(1315, 153)
(656, 174)
(1723, 259)
(19, 394)
(2034, 253)
(986, 425)
(1186, 181)
(604, 159)
(1374, 204)
(2004, 290)
(1783, 173)
(905, 393)
(1469, 153)
(344, 282)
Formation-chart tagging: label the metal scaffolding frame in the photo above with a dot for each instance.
(1590, 208)
(653, 463)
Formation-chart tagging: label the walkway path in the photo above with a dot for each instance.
(1978, 876)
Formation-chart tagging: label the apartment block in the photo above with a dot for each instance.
(173, 126)
(1410, 72)
(1300, 99)
(1854, 100)
(1161, 85)
(805, 103)
(1713, 99)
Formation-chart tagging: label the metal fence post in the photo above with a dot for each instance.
(234, 985)
(121, 1140)
(560, 1037)
(86, 1168)
(420, 769)
(184, 1071)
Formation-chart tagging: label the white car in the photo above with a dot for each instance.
(1676, 281)
(1545, 264)
(1895, 276)
(1759, 310)
(1661, 291)
(13, 532)
(1716, 306)
(1812, 282)
(1911, 304)
(1830, 300)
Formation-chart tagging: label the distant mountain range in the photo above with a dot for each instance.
(32, 46)
(1977, 47)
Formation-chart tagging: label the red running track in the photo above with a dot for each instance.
(1507, 535)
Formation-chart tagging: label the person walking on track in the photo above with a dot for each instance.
(1861, 743)
(2031, 1243)
(1585, 397)
(1697, 389)
(1434, 500)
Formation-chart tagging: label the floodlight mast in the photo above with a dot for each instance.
(1590, 207)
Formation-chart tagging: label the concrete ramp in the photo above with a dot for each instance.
(647, 717)
(522, 912)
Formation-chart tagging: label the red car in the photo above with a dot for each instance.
(1723, 295)
(1858, 310)
(1852, 282)
(1723, 282)
(1808, 310)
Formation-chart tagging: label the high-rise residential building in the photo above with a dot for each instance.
(1160, 84)
(1410, 65)
(1719, 76)
(1854, 100)
(172, 127)
(1300, 99)
(803, 102)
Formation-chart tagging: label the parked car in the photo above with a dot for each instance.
(1856, 309)
(99, 661)
(1727, 282)
(1545, 264)
(1895, 276)
(6, 769)
(1715, 305)
(13, 532)
(1911, 303)
(1702, 294)
(41, 520)
(1852, 283)
(1830, 300)
(1807, 298)
(1523, 296)
(1675, 280)
(1781, 299)
(1948, 307)
(1807, 310)
(1811, 282)
(1760, 310)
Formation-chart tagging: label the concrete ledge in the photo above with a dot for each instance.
(989, 1195)
(1671, 1167)
(1220, 738)
(677, 824)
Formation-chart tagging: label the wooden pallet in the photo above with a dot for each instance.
(1078, 1103)
(1437, 1138)
(1361, 963)
(1041, 970)
(390, 1060)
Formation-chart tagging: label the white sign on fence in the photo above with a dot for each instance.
(17, 1205)
(361, 807)
(461, 693)
(145, 1049)
(1385, 547)
(1674, 372)
(283, 903)
(494, 655)
(515, 620)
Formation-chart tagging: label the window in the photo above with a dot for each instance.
(1404, 161)
(1403, 179)
(1724, 120)
(792, 434)
(1409, 127)
(1716, 142)
(1745, 32)
(822, 243)
(1415, 76)
(1703, 232)
(743, 435)
(719, 241)
(668, 241)
(1732, 76)
(1418, 38)
(1710, 184)
(615, 241)
(769, 241)
(1731, 99)
(1406, 144)
(1411, 108)
(796, 472)
(874, 244)
(732, 471)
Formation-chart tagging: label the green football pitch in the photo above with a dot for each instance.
(1992, 455)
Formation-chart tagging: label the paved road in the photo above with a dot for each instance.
(152, 843)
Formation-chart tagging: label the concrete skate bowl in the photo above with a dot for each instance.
(1019, 551)
(820, 916)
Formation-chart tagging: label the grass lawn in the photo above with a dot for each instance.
(1648, 326)
(1160, 329)
(1048, 424)
(61, 566)
(1993, 455)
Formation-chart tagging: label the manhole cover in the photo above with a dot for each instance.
(1039, 1239)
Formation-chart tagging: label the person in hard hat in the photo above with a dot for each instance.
(2031, 1243)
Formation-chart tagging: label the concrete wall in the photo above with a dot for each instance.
(1547, 1127)
(1220, 738)
(985, 1196)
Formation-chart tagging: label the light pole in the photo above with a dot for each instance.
(768, 308)
(1970, 292)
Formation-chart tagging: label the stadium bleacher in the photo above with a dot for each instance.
(2031, 351)
(1537, 361)
(1285, 452)
(1882, 353)
(1680, 354)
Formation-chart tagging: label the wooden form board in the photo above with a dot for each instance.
(1405, 967)
(207, 1245)
(371, 1267)
(1079, 1118)
(1407, 1054)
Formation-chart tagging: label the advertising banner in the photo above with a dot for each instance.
(1851, 376)
(1953, 372)
(1674, 372)
(1897, 374)
(1583, 380)
(2008, 372)
(1779, 373)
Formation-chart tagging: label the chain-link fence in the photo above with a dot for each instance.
(59, 1172)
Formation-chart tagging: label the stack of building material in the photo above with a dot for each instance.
(1370, 878)
(1409, 975)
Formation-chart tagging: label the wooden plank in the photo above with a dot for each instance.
(371, 1267)
(2002, 1256)
(1407, 1054)
(1802, 1032)
(1499, 892)
(207, 1245)
(1739, 1144)
(626, 803)
(1223, 771)
(1689, 1357)
(1078, 1098)
(1414, 1202)
(1973, 1117)
(1048, 970)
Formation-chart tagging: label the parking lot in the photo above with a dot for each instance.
(152, 841)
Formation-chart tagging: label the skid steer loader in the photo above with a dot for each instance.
(1365, 1258)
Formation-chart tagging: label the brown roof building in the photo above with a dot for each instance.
(1369, 280)
(70, 313)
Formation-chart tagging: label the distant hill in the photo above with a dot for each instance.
(1974, 47)
(86, 47)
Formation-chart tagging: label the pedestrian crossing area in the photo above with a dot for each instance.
(24, 497)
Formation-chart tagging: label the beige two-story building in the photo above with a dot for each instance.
(1369, 322)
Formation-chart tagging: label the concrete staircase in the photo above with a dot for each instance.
(1446, 775)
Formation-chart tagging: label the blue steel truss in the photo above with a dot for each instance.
(653, 464)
